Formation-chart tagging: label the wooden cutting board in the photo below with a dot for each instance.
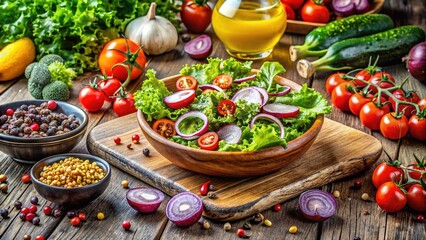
(339, 151)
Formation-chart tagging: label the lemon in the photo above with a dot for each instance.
(15, 57)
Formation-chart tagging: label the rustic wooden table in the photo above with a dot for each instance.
(350, 222)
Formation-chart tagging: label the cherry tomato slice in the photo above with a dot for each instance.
(226, 107)
(224, 81)
(186, 82)
(208, 141)
(164, 127)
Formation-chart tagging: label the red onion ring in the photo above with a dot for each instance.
(230, 133)
(196, 134)
(263, 93)
(286, 90)
(270, 118)
(280, 110)
(245, 79)
(248, 94)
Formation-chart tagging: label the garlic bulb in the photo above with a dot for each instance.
(155, 34)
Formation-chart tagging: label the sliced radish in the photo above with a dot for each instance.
(249, 95)
(199, 47)
(245, 79)
(270, 118)
(198, 133)
(180, 99)
(230, 133)
(264, 94)
(280, 110)
(184, 209)
(286, 90)
(145, 200)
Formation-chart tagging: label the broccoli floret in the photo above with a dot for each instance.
(51, 58)
(39, 78)
(29, 69)
(56, 90)
(61, 73)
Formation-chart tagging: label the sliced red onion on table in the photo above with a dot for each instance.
(317, 205)
(361, 6)
(184, 209)
(263, 93)
(245, 79)
(195, 135)
(199, 47)
(343, 7)
(180, 99)
(249, 95)
(286, 90)
(270, 118)
(230, 133)
(212, 87)
(280, 110)
(416, 61)
(145, 200)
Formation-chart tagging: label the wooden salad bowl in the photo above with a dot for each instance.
(302, 27)
(231, 164)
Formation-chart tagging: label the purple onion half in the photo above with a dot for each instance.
(184, 209)
(416, 61)
(317, 205)
(145, 200)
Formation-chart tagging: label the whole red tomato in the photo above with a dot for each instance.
(91, 98)
(124, 51)
(383, 80)
(365, 75)
(124, 105)
(390, 197)
(294, 4)
(196, 15)
(291, 15)
(385, 172)
(358, 100)
(417, 127)
(422, 103)
(109, 86)
(371, 114)
(315, 11)
(417, 198)
(394, 127)
(341, 95)
(406, 96)
(333, 80)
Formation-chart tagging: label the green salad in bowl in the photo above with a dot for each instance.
(226, 106)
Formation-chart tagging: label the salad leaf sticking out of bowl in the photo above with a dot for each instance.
(248, 109)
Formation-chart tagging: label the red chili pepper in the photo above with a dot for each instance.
(205, 188)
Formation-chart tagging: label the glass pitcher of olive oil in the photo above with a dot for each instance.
(249, 29)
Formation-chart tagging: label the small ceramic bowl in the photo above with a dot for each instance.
(70, 197)
(30, 150)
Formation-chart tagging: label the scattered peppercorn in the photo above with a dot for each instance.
(29, 216)
(277, 208)
(117, 140)
(357, 238)
(27, 237)
(82, 216)
(126, 225)
(267, 222)
(292, 229)
(125, 184)
(186, 37)
(257, 218)
(227, 226)
(3, 178)
(247, 226)
(47, 210)
(26, 178)
(129, 146)
(75, 221)
(100, 215)
(36, 221)
(71, 214)
(365, 197)
(4, 187)
(212, 194)
(240, 232)
(18, 204)
(420, 218)
(366, 212)
(22, 216)
(135, 138)
(72, 172)
(57, 212)
(4, 213)
(34, 200)
(33, 208)
(206, 224)
(212, 187)
(145, 152)
(336, 194)
(357, 184)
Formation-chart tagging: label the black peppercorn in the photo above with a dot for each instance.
(18, 204)
(145, 152)
(34, 200)
(4, 212)
(71, 214)
(57, 212)
(186, 37)
(36, 220)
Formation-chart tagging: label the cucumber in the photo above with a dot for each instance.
(318, 40)
(390, 46)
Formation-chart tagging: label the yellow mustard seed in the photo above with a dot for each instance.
(336, 193)
(365, 197)
(100, 215)
(125, 184)
(292, 229)
(267, 222)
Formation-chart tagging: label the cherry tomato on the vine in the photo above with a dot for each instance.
(385, 172)
(390, 197)
(417, 127)
(341, 95)
(291, 15)
(294, 4)
(124, 105)
(358, 100)
(186, 82)
(422, 103)
(226, 107)
(208, 141)
(224, 81)
(416, 175)
(315, 12)
(164, 127)
(124, 51)
(333, 80)
(91, 98)
(371, 114)
(394, 127)
(196, 15)
(417, 198)
(365, 75)
(109, 86)
(406, 96)
(383, 80)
